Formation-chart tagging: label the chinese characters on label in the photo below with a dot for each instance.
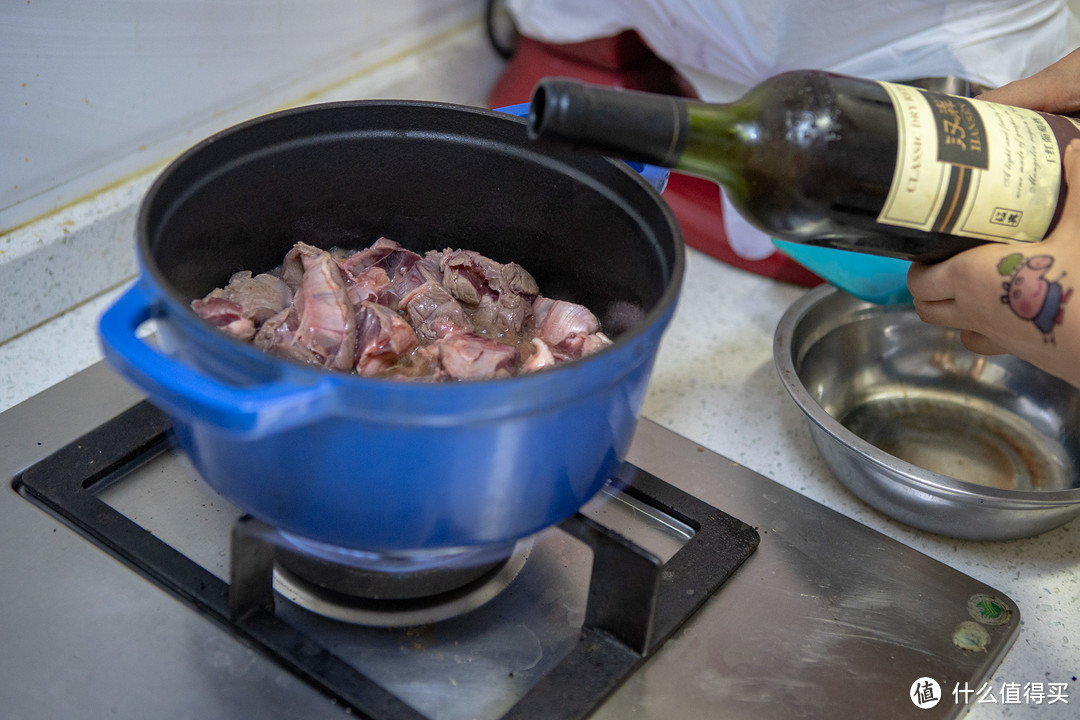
(1007, 217)
(961, 133)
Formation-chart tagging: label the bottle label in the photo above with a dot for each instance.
(975, 169)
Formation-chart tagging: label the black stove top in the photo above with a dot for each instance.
(636, 600)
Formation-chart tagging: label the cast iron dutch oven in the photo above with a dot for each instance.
(394, 465)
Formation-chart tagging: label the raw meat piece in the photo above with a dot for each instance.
(292, 268)
(466, 356)
(434, 313)
(517, 280)
(327, 323)
(361, 260)
(260, 297)
(244, 304)
(540, 359)
(225, 314)
(501, 292)
(374, 269)
(462, 278)
(410, 276)
(278, 336)
(369, 285)
(382, 338)
(593, 343)
(399, 262)
(569, 329)
(389, 312)
(557, 320)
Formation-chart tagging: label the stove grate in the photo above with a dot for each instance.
(635, 601)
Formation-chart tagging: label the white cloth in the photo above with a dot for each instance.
(725, 47)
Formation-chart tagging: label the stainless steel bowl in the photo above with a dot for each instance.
(931, 434)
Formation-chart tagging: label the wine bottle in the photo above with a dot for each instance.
(815, 157)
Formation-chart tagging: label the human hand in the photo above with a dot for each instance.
(1012, 298)
(1055, 89)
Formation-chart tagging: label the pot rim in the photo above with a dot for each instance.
(171, 302)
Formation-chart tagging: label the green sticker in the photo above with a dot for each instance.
(988, 609)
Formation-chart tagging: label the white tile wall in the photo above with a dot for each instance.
(93, 92)
(59, 261)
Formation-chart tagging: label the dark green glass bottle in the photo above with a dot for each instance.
(843, 162)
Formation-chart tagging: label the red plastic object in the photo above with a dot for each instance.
(621, 60)
(618, 52)
(624, 60)
(697, 206)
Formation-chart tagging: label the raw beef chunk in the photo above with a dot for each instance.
(385, 311)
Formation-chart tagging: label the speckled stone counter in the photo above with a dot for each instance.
(715, 383)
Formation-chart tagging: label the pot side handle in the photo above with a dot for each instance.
(187, 393)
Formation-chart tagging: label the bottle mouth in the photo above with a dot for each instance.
(559, 110)
(537, 116)
(631, 125)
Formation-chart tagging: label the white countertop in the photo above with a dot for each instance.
(715, 383)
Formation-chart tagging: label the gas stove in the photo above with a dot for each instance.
(690, 584)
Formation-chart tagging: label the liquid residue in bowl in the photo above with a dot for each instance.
(962, 438)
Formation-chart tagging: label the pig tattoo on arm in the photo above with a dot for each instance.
(1031, 295)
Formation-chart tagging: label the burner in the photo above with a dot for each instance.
(387, 575)
(636, 601)
(403, 591)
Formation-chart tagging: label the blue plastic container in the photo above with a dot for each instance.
(876, 279)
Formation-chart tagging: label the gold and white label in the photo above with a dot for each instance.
(971, 168)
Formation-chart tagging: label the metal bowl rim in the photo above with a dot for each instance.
(912, 475)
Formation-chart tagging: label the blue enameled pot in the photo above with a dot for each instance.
(388, 466)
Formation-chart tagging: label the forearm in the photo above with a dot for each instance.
(1055, 89)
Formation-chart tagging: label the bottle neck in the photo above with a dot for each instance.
(657, 129)
(717, 139)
